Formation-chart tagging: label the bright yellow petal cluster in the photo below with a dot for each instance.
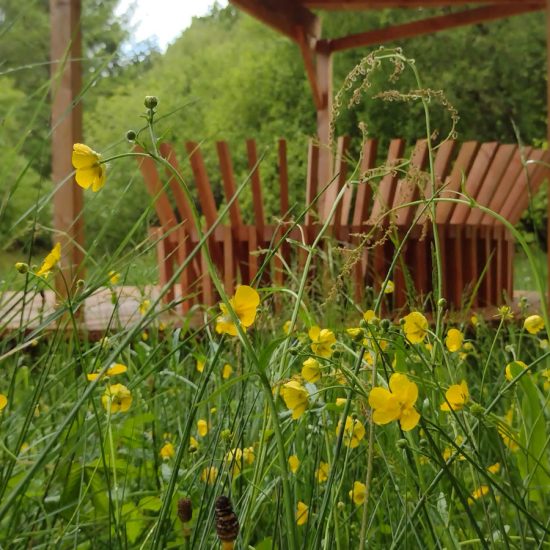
(480, 492)
(533, 324)
(415, 327)
(248, 455)
(113, 370)
(50, 261)
(513, 369)
(311, 371)
(167, 451)
(454, 340)
(3, 401)
(494, 468)
(209, 475)
(354, 432)
(89, 170)
(200, 365)
(395, 404)
(114, 277)
(322, 341)
(296, 398)
(302, 513)
(227, 371)
(369, 316)
(245, 304)
(293, 463)
(117, 398)
(358, 493)
(322, 472)
(457, 396)
(202, 427)
(236, 458)
(389, 288)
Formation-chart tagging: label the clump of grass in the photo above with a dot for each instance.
(329, 425)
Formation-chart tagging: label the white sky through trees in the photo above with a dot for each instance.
(163, 20)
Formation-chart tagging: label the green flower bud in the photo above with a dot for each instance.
(402, 443)
(22, 267)
(151, 101)
(477, 410)
(226, 435)
(423, 442)
(385, 324)
(131, 135)
(442, 303)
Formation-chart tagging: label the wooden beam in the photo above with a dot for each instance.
(548, 135)
(66, 120)
(284, 16)
(429, 25)
(308, 54)
(380, 4)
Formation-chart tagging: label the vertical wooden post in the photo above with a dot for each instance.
(324, 80)
(66, 120)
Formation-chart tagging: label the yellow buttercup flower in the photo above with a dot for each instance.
(358, 493)
(311, 370)
(302, 513)
(209, 475)
(389, 288)
(533, 324)
(457, 396)
(144, 306)
(322, 472)
(113, 370)
(480, 492)
(494, 468)
(322, 341)
(296, 398)
(340, 401)
(505, 313)
(3, 401)
(355, 332)
(507, 433)
(117, 398)
(546, 384)
(415, 327)
(114, 277)
(50, 261)
(514, 366)
(369, 316)
(234, 459)
(202, 427)
(248, 455)
(90, 172)
(226, 371)
(293, 463)
(395, 404)
(449, 451)
(193, 443)
(167, 451)
(245, 304)
(286, 327)
(200, 364)
(474, 319)
(354, 432)
(454, 340)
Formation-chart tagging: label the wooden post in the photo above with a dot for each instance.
(66, 52)
(324, 80)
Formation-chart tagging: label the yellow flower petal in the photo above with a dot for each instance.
(3, 401)
(302, 513)
(533, 324)
(358, 493)
(409, 419)
(454, 340)
(415, 327)
(293, 463)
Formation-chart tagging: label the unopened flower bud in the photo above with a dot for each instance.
(442, 303)
(340, 505)
(402, 443)
(80, 283)
(22, 267)
(151, 101)
(385, 324)
(477, 410)
(131, 135)
(226, 435)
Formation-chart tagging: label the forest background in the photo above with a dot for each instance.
(229, 77)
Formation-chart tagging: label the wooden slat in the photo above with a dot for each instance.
(429, 26)
(475, 177)
(206, 198)
(155, 188)
(407, 189)
(461, 168)
(538, 173)
(165, 259)
(383, 199)
(340, 176)
(228, 263)
(378, 4)
(257, 199)
(283, 178)
(312, 183)
(229, 185)
(308, 55)
(491, 181)
(506, 185)
(182, 204)
(363, 197)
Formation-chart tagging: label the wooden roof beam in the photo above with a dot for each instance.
(430, 25)
(379, 4)
(285, 16)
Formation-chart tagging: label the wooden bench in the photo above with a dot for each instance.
(475, 247)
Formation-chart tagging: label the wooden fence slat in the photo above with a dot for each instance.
(257, 200)
(461, 168)
(475, 179)
(383, 199)
(283, 178)
(229, 185)
(340, 175)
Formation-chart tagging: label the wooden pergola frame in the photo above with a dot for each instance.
(292, 18)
